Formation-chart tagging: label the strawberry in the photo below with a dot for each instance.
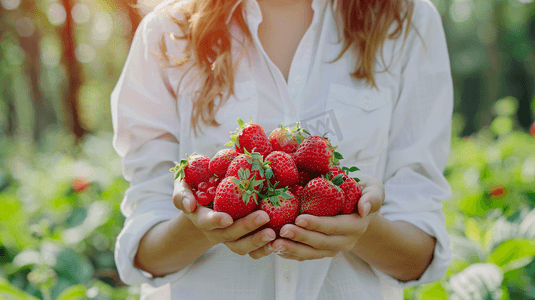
(221, 160)
(193, 170)
(315, 154)
(321, 197)
(350, 186)
(297, 190)
(281, 206)
(237, 196)
(284, 139)
(305, 177)
(249, 161)
(283, 168)
(250, 137)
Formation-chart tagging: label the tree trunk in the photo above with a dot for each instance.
(72, 117)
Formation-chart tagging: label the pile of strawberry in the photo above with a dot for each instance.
(286, 174)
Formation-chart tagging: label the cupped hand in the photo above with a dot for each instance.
(218, 227)
(314, 237)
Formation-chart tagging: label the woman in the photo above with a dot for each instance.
(374, 75)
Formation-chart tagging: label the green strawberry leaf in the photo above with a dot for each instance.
(338, 155)
(240, 122)
(298, 139)
(269, 173)
(229, 144)
(247, 159)
(353, 169)
(236, 181)
(286, 195)
(275, 200)
(338, 179)
(356, 179)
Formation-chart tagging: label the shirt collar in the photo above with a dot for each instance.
(253, 9)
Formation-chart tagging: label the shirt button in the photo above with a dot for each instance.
(297, 80)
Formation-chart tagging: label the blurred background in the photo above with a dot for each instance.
(61, 183)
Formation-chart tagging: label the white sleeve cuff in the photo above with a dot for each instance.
(127, 244)
(432, 223)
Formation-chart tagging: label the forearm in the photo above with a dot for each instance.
(170, 246)
(398, 249)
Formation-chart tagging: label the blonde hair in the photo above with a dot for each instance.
(365, 26)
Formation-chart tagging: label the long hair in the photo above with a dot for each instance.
(365, 27)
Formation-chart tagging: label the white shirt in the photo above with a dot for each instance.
(399, 134)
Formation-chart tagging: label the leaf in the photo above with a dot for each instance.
(477, 282)
(240, 122)
(74, 266)
(269, 173)
(472, 230)
(354, 169)
(9, 291)
(466, 249)
(356, 179)
(433, 291)
(526, 228)
(75, 292)
(229, 144)
(338, 155)
(513, 254)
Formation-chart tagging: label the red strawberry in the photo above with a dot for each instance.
(321, 198)
(284, 139)
(214, 181)
(193, 170)
(221, 160)
(305, 177)
(237, 196)
(315, 154)
(250, 161)
(350, 186)
(297, 190)
(250, 136)
(282, 208)
(335, 170)
(284, 169)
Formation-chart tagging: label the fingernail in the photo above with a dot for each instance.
(267, 238)
(261, 220)
(366, 208)
(186, 203)
(302, 223)
(226, 222)
(287, 234)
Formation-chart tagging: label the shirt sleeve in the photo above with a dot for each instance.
(146, 136)
(420, 140)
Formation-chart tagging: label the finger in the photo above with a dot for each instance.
(333, 225)
(369, 203)
(317, 240)
(261, 252)
(253, 242)
(288, 256)
(245, 225)
(283, 247)
(206, 219)
(183, 198)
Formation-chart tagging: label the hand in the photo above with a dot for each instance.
(218, 227)
(315, 237)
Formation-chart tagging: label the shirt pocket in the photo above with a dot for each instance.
(363, 115)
